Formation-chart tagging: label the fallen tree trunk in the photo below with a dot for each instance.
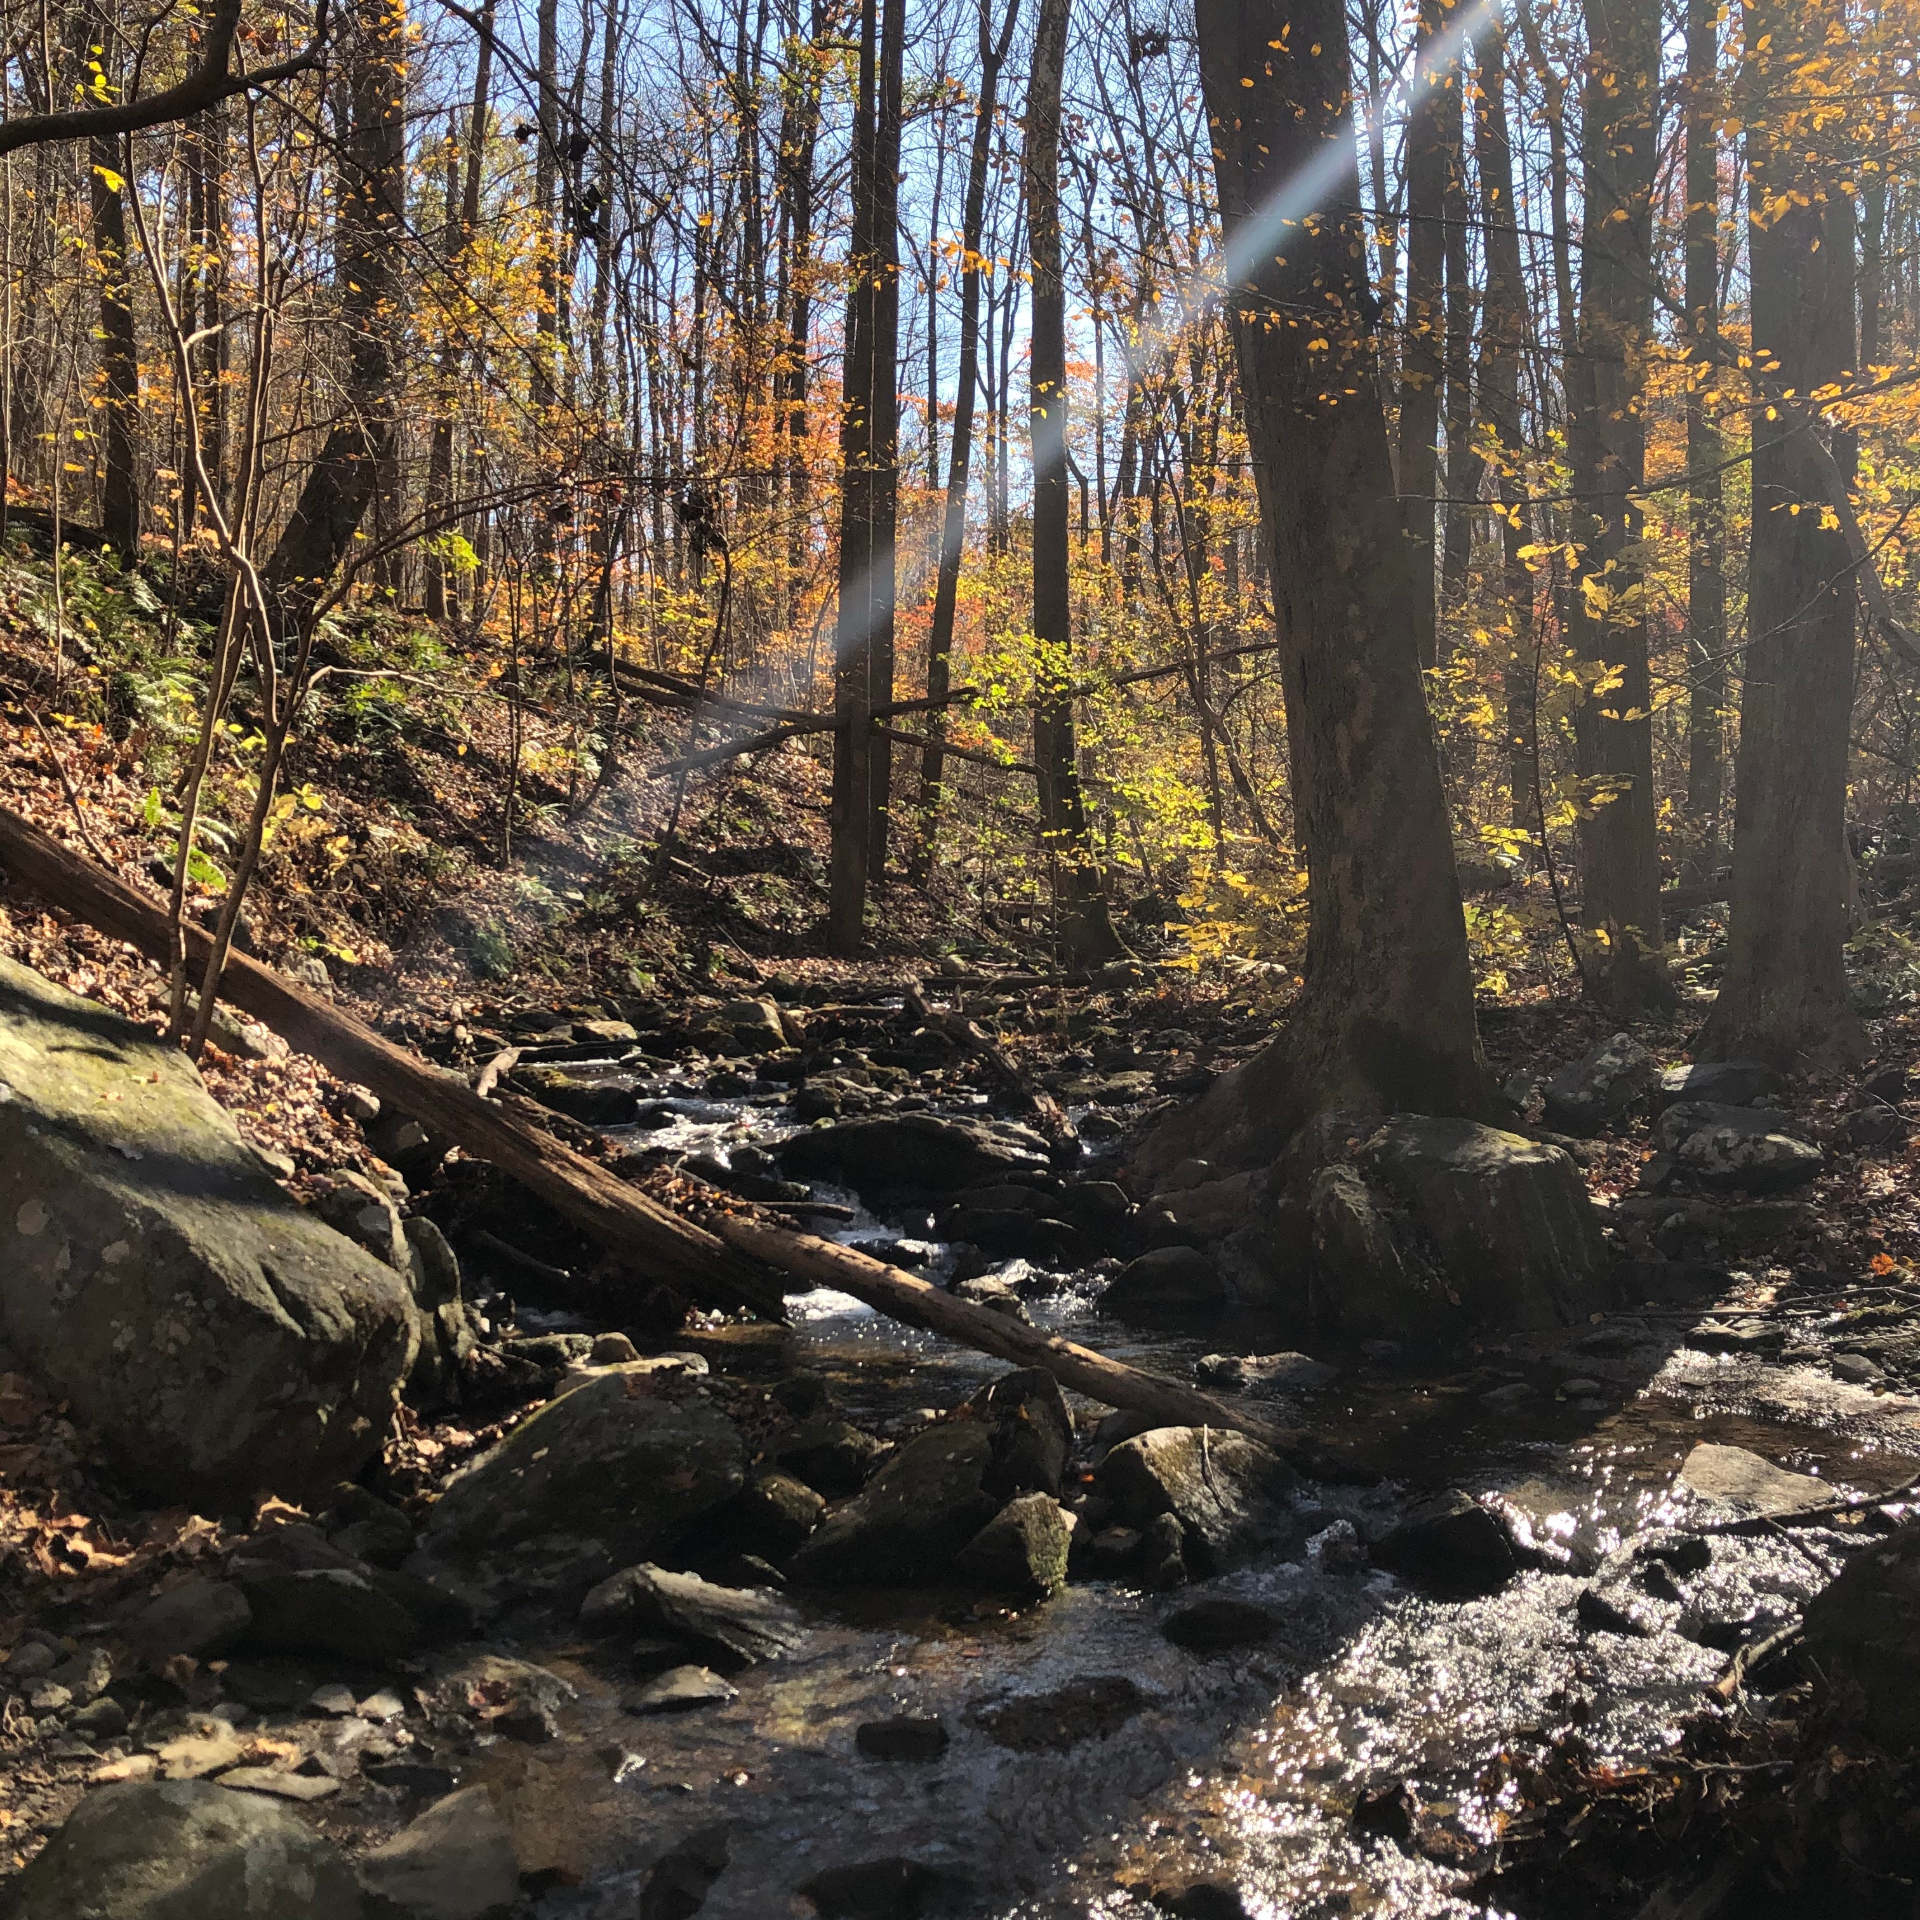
(656, 1243)
(918, 1303)
(728, 1265)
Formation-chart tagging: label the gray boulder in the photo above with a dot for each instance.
(220, 1338)
(1753, 1148)
(184, 1850)
(1727, 1083)
(1602, 1086)
(1166, 1280)
(1022, 1549)
(1230, 1494)
(1032, 1431)
(630, 1458)
(912, 1518)
(746, 1623)
(920, 1150)
(1505, 1222)
(1863, 1634)
(200, 1617)
(455, 1862)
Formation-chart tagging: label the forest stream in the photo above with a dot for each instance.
(1372, 1756)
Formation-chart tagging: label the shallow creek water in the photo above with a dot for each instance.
(1241, 1769)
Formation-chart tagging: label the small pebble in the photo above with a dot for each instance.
(333, 1698)
(381, 1707)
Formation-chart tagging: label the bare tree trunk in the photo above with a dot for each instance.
(1707, 534)
(1085, 932)
(953, 530)
(340, 484)
(1422, 361)
(1504, 332)
(851, 821)
(885, 447)
(1783, 996)
(1387, 1013)
(1465, 467)
(1606, 392)
(119, 351)
(463, 221)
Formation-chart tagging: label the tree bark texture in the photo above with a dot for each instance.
(1606, 382)
(119, 351)
(368, 237)
(1386, 1015)
(1706, 517)
(1423, 341)
(1783, 995)
(953, 526)
(1083, 928)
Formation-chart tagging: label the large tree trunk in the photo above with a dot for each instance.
(1707, 537)
(1783, 996)
(369, 235)
(1422, 355)
(1387, 1011)
(1083, 929)
(1606, 392)
(119, 351)
(953, 528)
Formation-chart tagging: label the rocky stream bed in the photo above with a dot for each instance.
(637, 1618)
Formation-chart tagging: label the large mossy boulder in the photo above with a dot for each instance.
(1231, 1495)
(630, 1459)
(219, 1338)
(1437, 1227)
(184, 1850)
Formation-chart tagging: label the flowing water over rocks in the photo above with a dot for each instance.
(1364, 1753)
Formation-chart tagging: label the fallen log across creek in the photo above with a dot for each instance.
(919, 1303)
(728, 1265)
(651, 1239)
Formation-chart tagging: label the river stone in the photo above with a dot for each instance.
(1263, 1375)
(1755, 1148)
(772, 1517)
(614, 1460)
(680, 1690)
(757, 1022)
(1219, 1624)
(1167, 1280)
(1729, 1083)
(353, 1615)
(184, 1850)
(1032, 1431)
(1022, 1549)
(590, 1098)
(1863, 1634)
(1229, 1493)
(921, 1150)
(1602, 1086)
(912, 1518)
(455, 1862)
(746, 1623)
(1451, 1543)
(1507, 1221)
(1736, 1477)
(200, 1617)
(907, 1736)
(219, 1338)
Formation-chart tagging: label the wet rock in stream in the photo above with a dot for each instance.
(1451, 1543)
(456, 1861)
(1231, 1496)
(743, 1623)
(628, 1459)
(1863, 1634)
(1022, 1549)
(912, 1519)
(910, 1736)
